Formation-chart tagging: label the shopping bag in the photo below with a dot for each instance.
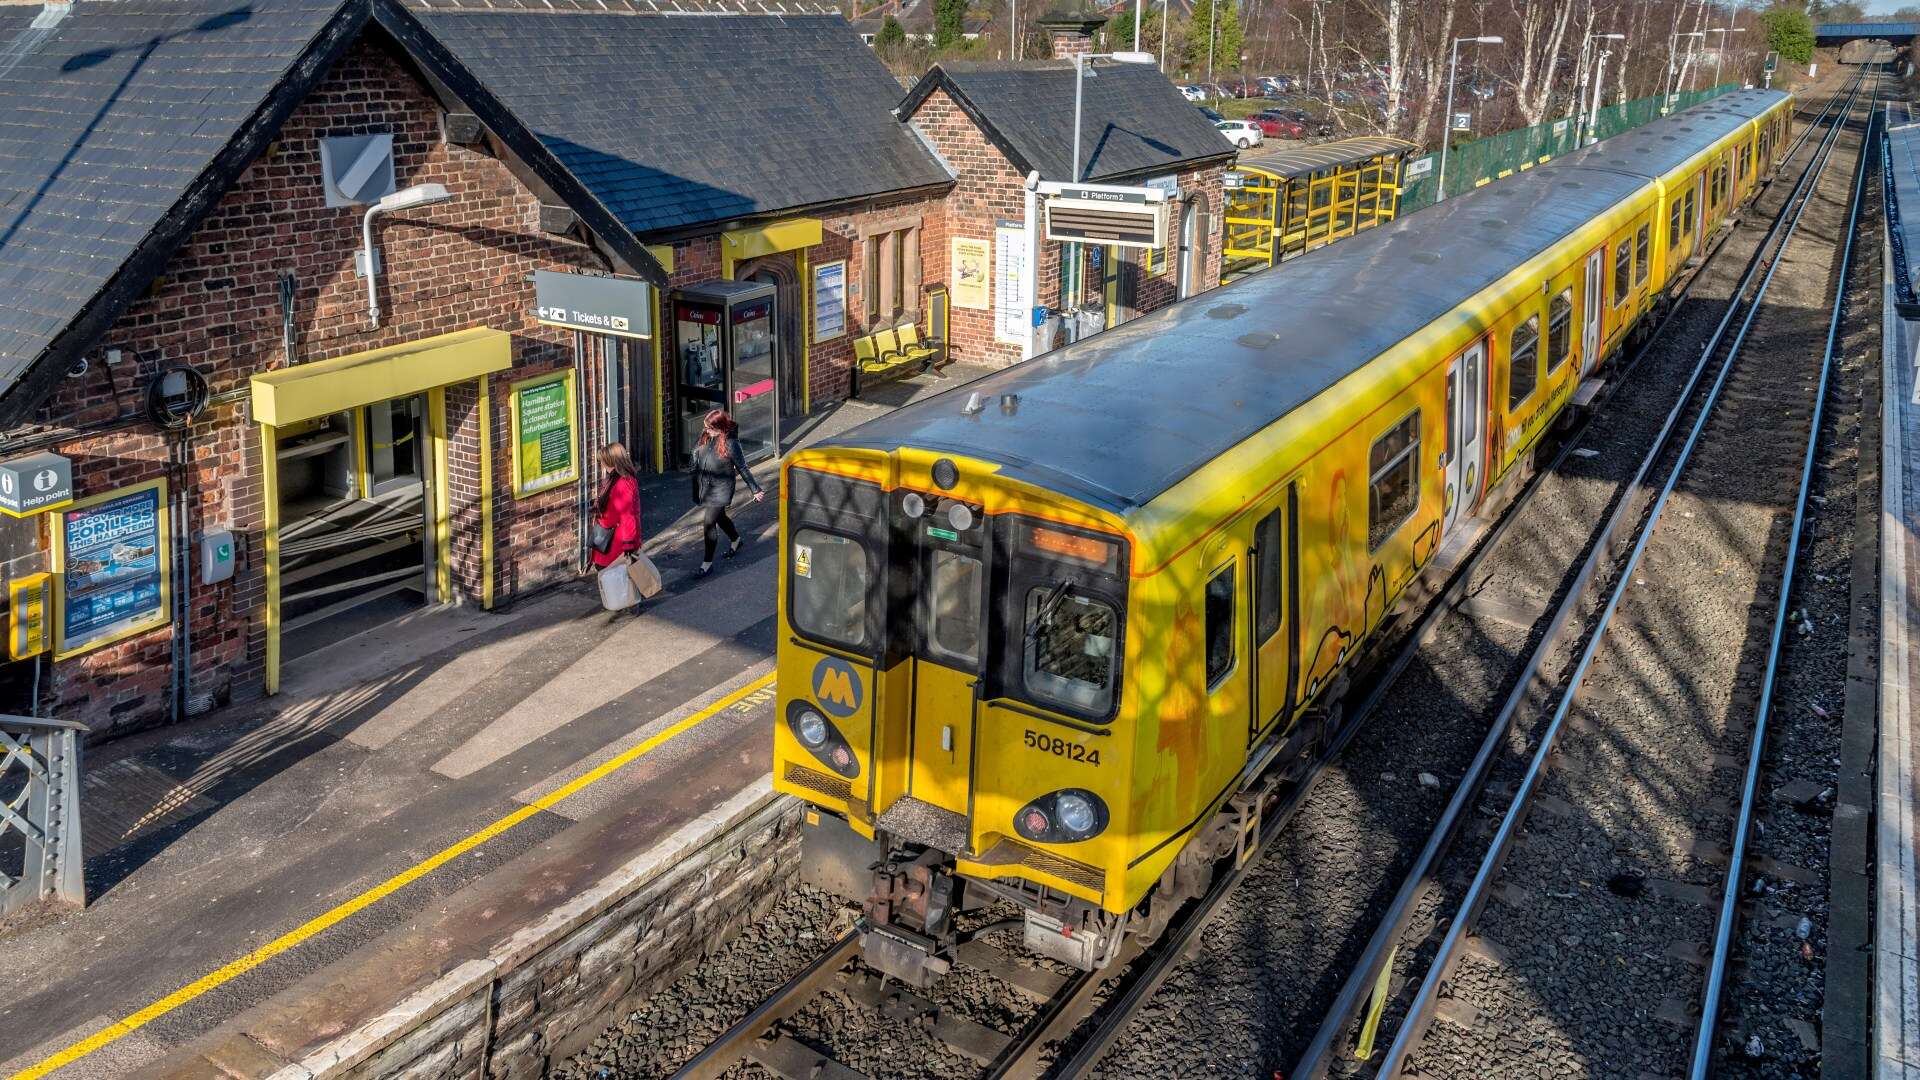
(616, 589)
(644, 575)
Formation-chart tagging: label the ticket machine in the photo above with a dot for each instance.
(723, 357)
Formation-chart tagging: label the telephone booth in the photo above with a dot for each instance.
(723, 358)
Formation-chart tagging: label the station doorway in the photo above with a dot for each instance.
(355, 549)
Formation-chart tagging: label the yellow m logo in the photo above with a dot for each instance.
(836, 689)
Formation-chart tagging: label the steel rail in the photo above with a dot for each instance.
(1315, 1061)
(1736, 866)
(733, 1043)
(1170, 949)
(1420, 1010)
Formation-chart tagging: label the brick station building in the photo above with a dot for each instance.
(997, 124)
(275, 446)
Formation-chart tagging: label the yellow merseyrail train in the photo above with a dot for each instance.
(1040, 635)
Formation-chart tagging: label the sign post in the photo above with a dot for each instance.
(600, 305)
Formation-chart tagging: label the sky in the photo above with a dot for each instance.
(1884, 7)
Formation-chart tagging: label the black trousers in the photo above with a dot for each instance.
(714, 521)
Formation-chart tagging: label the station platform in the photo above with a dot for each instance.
(1896, 885)
(415, 795)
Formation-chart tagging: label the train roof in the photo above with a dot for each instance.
(1118, 418)
(1658, 147)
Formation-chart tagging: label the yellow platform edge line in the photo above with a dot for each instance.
(128, 1025)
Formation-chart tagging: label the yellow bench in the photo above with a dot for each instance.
(891, 353)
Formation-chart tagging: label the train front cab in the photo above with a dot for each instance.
(941, 627)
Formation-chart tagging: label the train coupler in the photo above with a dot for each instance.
(912, 958)
(1087, 944)
(910, 917)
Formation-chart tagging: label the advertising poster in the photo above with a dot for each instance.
(829, 300)
(543, 436)
(972, 274)
(113, 570)
(1011, 319)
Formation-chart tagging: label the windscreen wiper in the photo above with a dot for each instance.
(1047, 607)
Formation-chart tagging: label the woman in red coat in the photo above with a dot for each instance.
(619, 505)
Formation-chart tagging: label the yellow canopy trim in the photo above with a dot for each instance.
(290, 395)
(789, 235)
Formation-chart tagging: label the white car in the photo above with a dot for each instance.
(1192, 93)
(1241, 133)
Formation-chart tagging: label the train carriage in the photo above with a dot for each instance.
(1040, 634)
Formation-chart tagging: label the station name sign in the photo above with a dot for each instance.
(601, 305)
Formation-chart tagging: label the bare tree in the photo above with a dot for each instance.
(1542, 27)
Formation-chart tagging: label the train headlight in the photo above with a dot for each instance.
(913, 505)
(960, 516)
(1062, 817)
(1076, 814)
(812, 729)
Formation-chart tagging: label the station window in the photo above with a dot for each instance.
(1622, 272)
(1393, 485)
(1523, 362)
(1642, 254)
(829, 588)
(1266, 585)
(1069, 659)
(1219, 626)
(890, 273)
(1560, 329)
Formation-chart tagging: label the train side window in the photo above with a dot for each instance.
(1642, 254)
(1688, 221)
(1560, 329)
(1069, 652)
(1673, 224)
(829, 588)
(1393, 484)
(1219, 626)
(1266, 585)
(1523, 362)
(1622, 272)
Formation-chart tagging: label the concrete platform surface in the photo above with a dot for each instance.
(235, 856)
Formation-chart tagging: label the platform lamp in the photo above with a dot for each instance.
(405, 199)
(1446, 135)
(1599, 80)
(1723, 31)
(1580, 108)
(1673, 68)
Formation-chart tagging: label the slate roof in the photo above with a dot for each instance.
(678, 121)
(1118, 418)
(1134, 121)
(114, 119)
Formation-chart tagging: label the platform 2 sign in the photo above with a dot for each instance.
(111, 554)
(545, 443)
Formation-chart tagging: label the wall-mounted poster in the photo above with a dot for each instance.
(111, 554)
(972, 273)
(829, 300)
(1012, 321)
(545, 448)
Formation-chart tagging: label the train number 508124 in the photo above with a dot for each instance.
(1053, 744)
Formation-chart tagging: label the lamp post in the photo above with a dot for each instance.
(1446, 135)
(1593, 115)
(1580, 106)
(1082, 71)
(1675, 70)
(1213, 14)
(405, 199)
(1166, 21)
(1723, 31)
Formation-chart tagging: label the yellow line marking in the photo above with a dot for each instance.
(128, 1025)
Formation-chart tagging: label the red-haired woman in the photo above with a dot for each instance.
(618, 508)
(716, 461)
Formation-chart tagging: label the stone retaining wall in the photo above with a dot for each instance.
(544, 994)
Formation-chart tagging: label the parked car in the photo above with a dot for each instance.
(1308, 123)
(1241, 133)
(1210, 114)
(1192, 92)
(1275, 123)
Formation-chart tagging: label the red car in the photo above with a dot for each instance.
(1277, 125)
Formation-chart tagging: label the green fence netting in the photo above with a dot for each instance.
(1473, 163)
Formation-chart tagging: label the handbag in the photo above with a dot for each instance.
(644, 575)
(601, 537)
(616, 588)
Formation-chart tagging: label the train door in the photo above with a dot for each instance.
(1224, 611)
(1273, 631)
(1466, 395)
(949, 550)
(1594, 311)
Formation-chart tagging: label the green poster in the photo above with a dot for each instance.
(543, 434)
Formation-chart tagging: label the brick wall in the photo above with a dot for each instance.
(459, 264)
(990, 190)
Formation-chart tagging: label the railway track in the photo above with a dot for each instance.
(1061, 1003)
(1643, 738)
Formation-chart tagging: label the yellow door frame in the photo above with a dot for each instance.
(797, 235)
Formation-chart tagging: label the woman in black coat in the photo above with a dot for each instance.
(716, 461)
